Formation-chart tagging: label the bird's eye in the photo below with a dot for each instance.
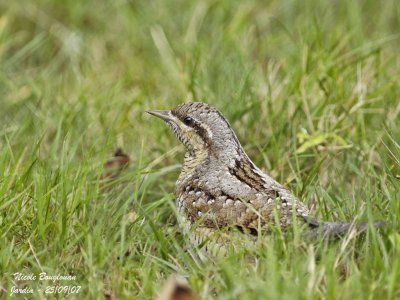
(188, 121)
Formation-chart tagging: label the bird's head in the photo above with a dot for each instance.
(199, 127)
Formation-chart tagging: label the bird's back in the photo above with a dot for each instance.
(218, 194)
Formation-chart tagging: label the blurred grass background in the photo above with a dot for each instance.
(310, 87)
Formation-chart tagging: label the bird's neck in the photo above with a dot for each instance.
(192, 162)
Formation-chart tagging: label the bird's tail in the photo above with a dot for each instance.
(335, 230)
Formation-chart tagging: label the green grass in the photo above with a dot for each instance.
(311, 88)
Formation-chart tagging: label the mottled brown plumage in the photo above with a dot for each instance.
(220, 187)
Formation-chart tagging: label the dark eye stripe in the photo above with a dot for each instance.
(198, 127)
(202, 132)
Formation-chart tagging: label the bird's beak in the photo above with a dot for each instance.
(162, 114)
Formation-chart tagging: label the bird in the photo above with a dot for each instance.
(220, 188)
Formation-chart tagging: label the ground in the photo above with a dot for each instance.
(311, 88)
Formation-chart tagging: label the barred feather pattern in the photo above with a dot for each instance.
(221, 188)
